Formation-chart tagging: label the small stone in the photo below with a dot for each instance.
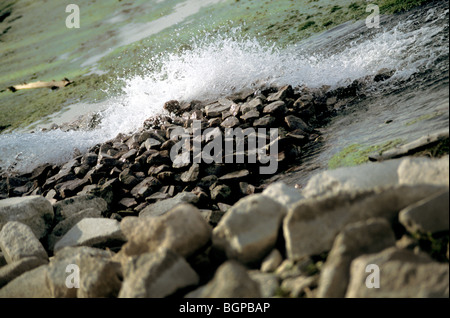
(236, 175)
(65, 208)
(221, 193)
(172, 106)
(296, 286)
(216, 109)
(255, 104)
(276, 108)
(192, 174)
(294, 123)
(250, 115)
(268, 283)
(266, 121)
(161, 207)
(282, 93)
(230, 122)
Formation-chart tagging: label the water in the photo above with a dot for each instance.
(414, 44)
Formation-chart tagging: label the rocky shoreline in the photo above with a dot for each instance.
(139, 220)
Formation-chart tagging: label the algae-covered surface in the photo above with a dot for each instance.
(116, 39)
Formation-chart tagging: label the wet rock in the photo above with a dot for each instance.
(276, 108)
(128, 179)
(151, 143)
(14, 270)
(156, 275)
(161, 207)
(67, 207)
(230, 281)
(70, 188)
(230, 122)
(383, 75)
(64, 226)
(250, 116)
(311, 226)
(294, 123)
(271, 262)
(246, 188)
(34, 211)
(31, 284)
(249, 230)
(182, 230)
(192, 174)
(403, 274)
(282, 93)
(216, 109)
(17, 241)
(172, 106)
(429, 215)
(355, 239)
(255, 104)
(95, 232)
(283, 194)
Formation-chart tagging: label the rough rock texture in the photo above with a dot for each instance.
(355, 239)
(161, 207)
(421, 170)
(268, 283)
(34, 211)
(249, 230)
(155, 275)
(70, 206)
(31, 284)
(429, 215)
(283, 194)
(231, 280)
(17, 241)
(403, 274)
(13, 270)
(92, 232)
(182, 230)
(312, 225)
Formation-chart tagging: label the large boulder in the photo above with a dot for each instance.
(424, 170)
(249, 230)
(283, 194)
(311, 226)
(32, 284)
(13, 270)
(156, 275)
(17, 241)
(182, 230)
(34, 211)
(402, 274)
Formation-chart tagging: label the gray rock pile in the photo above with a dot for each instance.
(124, 220)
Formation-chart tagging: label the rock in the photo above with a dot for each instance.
(230, 122)
(277, 108)
(266, 121)
(268, 283)
(249, 230)
(420, 170)
(283, 194)
(145, 188)
(17, 241)
(255, 104)
(362, 177)
(429, 215)
(99, 278)
(162, 207)
(156, 275)
(403, 274)
(61, 269)
(13, 270)
(182, 160)
(31, 284)
(127, 178)
(383, 75)
(246, 188)
(34, 211)
(192, 174)
(282, 93)
(250, 115)
(94, 232)
(207, 181)
(216, 109)
(65, 208)
(151, 143)
(212, 217)
(235, 175)
(366, 237)
(230, 281)
(312, 224)
(296, 286)
(221, 192)
(294, 123)
(271, 262)
(64, 226)
(182, 230)
(172, 106)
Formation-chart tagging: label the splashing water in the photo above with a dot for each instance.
(218, 66)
